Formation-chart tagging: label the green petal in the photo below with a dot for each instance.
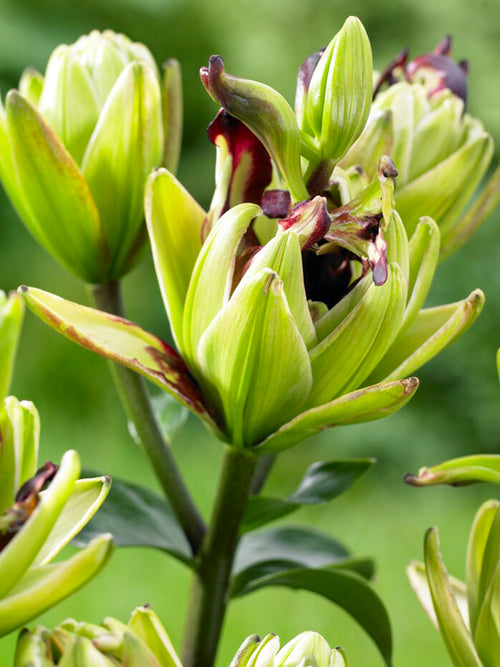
(69, 102)
(254, 361)
(136, 653)
(126, 144)
(43, 587)
(88, 495)
(479, 212)
(82, 653)
(11, 319)
(119, 340)
(212, 277)
(442, 192)
(174, 222)
(22, 550)
(147, 626)
(459, 472)
(418, 580)
(487, 633)
(476, 546)
(20, 433)
(359, 406)
(31, 85)
(455, 634)
(343, 360)
(56, 203)
(283, 256)
(172, 114)
(375, 140)
(31, 649)
(423, 252)
(432, 330)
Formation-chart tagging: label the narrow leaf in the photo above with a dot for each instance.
(136, 517)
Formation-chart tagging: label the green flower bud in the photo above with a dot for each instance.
(141, 643)
(339, 93)
(78, 144)
(264, 367)
(309, 649)
(40, 512)
(467, 615)
(442, 154)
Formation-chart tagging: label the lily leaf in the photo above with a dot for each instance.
(136, 517)
(322, 483)
(119, 340)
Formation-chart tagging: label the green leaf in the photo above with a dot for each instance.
(57, 205)
(44, 586)
(368, 404)
(455, 634)
(322, 483)
(125, 145)
(460, 472)
(136, 517)
(344, 588)
(212, 277)
(263, 374)
(174, 222)
(22, 550)
(119, 340)
(476, 546)
(432, 330)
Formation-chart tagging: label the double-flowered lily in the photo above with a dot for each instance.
(77, 144)
(307, 649)
(284, 328)
(142, 642)
(41, 510)
(466, 614)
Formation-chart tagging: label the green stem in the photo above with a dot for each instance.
(211, 587)
(135, 399)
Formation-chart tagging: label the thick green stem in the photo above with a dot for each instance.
(211, 587)
(137, 405)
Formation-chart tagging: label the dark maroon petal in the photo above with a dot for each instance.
(310, 220)
(306, 70)
(248, 154)
(449, 73)
(387, 76)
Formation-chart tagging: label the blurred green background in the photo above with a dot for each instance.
(456, 411)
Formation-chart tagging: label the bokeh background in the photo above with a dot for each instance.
(455, 412)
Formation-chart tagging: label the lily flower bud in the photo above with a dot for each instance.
(77, 145)
(339, 92)
(307, 649)
(143, 642)
(467, 615)
(40, 512)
